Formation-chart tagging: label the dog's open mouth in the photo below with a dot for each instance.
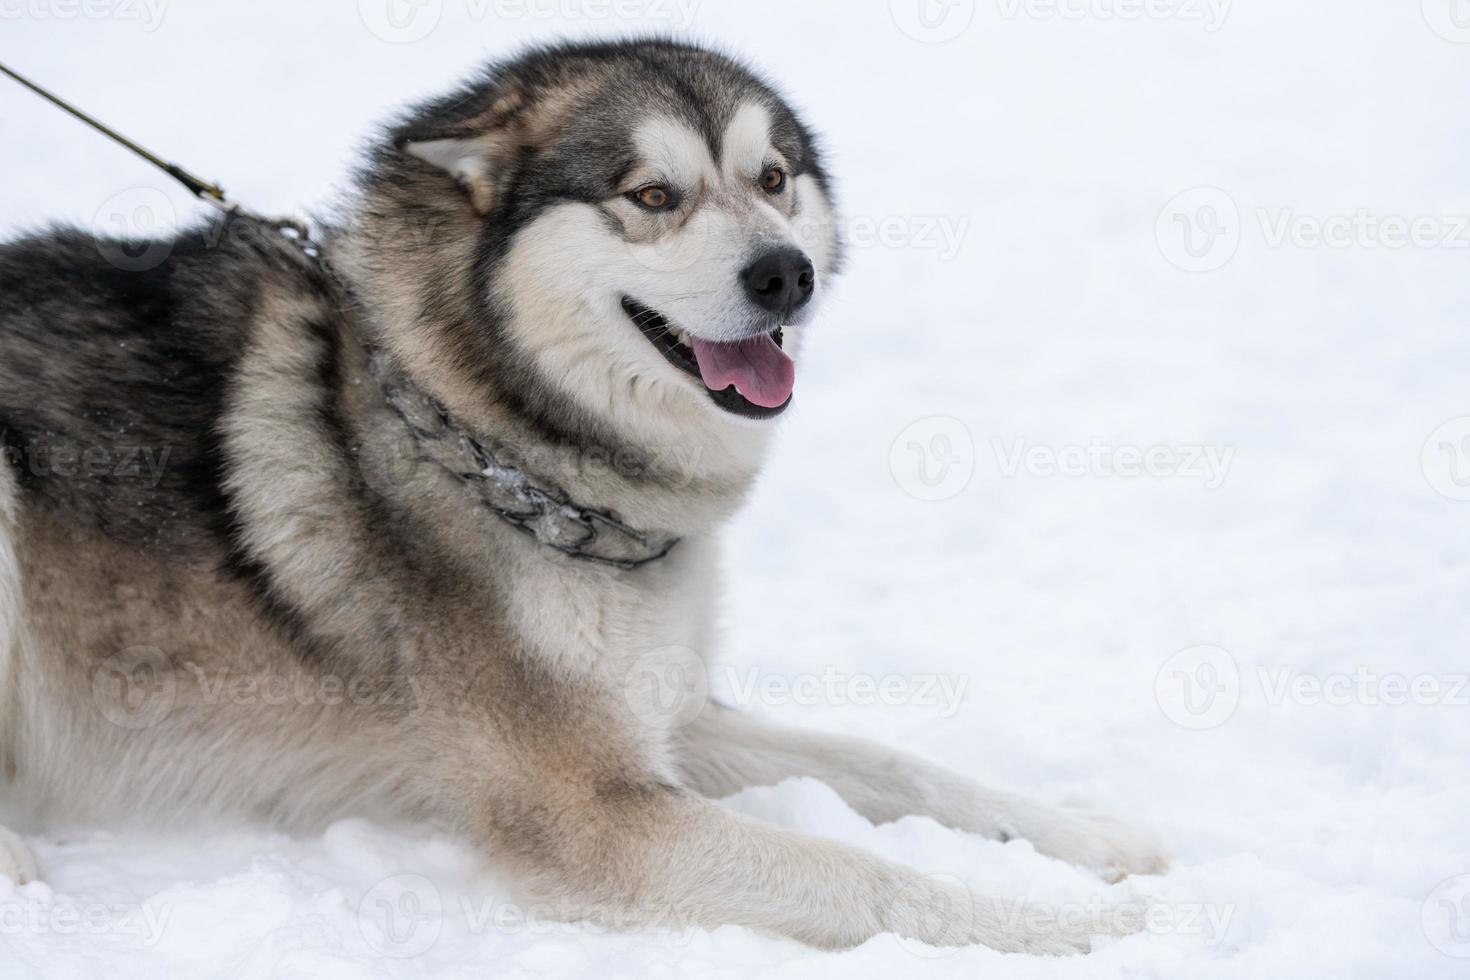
(753, 378)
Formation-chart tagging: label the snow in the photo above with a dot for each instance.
(1019, 307)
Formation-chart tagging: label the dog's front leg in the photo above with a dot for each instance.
(630, 850)
(724, 750)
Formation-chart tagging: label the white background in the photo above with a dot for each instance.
(1051, 145)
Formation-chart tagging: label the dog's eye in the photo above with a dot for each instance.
(773, 181)
(655, 198)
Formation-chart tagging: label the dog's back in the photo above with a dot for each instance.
(114, 362)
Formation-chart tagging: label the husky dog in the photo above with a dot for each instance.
(425, 526)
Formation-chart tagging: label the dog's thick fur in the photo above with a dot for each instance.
(228, 585)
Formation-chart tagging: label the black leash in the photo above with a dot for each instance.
(212, 194)
(200, 188)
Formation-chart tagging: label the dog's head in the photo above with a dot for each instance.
(654, 228)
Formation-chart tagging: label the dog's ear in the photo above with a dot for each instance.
(480, 152)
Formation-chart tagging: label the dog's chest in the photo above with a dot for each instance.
(584, 621)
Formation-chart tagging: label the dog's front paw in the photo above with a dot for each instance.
(1100, 842)
(16, 860)
(939, 911)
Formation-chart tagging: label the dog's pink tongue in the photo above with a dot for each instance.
(758, 368)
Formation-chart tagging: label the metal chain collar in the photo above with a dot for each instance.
(532, 507)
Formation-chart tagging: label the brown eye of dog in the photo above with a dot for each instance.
(773, 180)
(654, 198)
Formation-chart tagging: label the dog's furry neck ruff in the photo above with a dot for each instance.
(535, 507)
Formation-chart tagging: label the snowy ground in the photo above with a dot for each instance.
(1256, 645)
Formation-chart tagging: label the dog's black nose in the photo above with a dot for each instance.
(780, 281)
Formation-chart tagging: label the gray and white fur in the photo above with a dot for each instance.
(209, 495)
